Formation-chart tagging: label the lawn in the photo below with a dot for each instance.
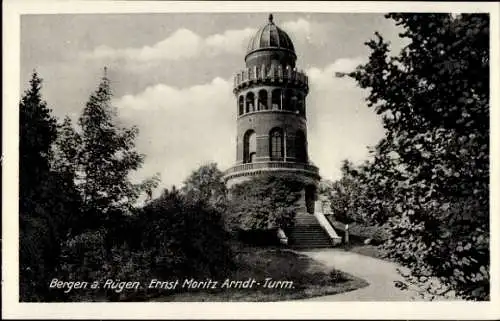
(289, 275)
(368, 250)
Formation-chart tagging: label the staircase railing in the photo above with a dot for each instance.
(325, 224)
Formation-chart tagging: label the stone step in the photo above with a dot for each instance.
(307, 230)
(311, 246)
(308, 233)
(318, 235)
(305, 217)
(304, 236)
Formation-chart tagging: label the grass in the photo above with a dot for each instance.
(308, 279)
(368, 250)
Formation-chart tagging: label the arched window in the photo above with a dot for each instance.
(286, 99)
(276, 150)
(250, 100)
(276, 99)
(294, 103)
(300, 147)
(288, 73)
(240, 105)
(249, 146)
(262, 100)
(301, 105)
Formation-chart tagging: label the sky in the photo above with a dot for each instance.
(172, 74)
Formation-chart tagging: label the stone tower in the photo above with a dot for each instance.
(271, 112)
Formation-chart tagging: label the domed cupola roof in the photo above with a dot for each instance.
(270, 37)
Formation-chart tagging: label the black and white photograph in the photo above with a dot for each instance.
(314, 155)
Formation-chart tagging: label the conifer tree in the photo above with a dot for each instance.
(66, 149)
(106, 157)
(37, 132)
(44, 204)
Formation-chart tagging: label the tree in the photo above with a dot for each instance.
(266, 202)
(431, 170)
(99, 155)
(66, 149)
(106, 157)
(45, 205)
(37, 132)
(206, 184)
(185, 237)
(347, 197)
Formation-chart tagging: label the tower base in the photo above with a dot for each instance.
(309, 173)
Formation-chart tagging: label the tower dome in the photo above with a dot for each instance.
(270, 37)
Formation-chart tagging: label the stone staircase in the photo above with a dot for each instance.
(308, 233)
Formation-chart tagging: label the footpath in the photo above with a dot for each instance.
(381, 275)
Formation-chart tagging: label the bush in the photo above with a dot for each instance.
(87, 258)
(186, 238)
(359, 232)
(378, 234)
(266, 202)
(171, 237)
(258, 237)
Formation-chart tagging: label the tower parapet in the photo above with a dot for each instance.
(270, 75)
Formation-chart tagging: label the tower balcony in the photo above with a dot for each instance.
(256, 168)
(275, 75)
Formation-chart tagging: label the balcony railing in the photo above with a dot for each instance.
(273, 74)
(271, 166)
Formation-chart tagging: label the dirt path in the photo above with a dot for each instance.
(379, 273)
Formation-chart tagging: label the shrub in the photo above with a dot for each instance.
(258, 237)
(186, 238)
(266, 202)
(168, 238)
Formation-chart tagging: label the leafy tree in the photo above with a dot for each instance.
(206, 184)
(347, 197)
(105, 159)
(185, 237)
(150, 184)
(431, 170)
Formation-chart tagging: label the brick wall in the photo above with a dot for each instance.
(262, 123)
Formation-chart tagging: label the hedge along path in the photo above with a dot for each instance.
(382, 276)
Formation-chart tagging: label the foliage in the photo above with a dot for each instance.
(266, 201)
(350, 198)
(47, 200)
(206, 184)
(431, 170)
(360, 232)
(65, 149)
(171, 237)
(106, 156)
(187, 237)
(37, 132)
(86, 257)
(78, 220)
